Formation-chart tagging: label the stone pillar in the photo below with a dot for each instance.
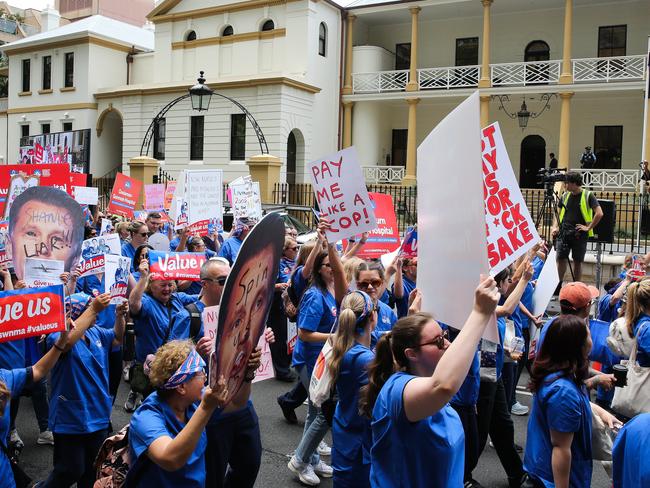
(413, 84)
(566, 76)
(485, 81)
(485, 111)
(266, 170)
(565, 130)
(143, 168)
(347, 124)
(646, 136)
(410, 178)
(347, 83)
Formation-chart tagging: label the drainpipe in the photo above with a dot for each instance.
(129, 62)
(341, 61)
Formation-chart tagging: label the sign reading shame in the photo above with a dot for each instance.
(341, 194)
(510, 229)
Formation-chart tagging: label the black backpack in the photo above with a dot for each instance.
(195, 321)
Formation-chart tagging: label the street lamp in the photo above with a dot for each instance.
(200, 95)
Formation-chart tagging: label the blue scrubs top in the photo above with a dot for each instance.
(386, 318)
(128, 251)
(154, 419)
(298, 282)
(317, 313)
(630, 454)
(606, 312)
(12, 354)
(93, 286)
(527, 301)
(501, 326)
(643, 340)
(403, 303)
(230, 249)
(538, 265)
(350, 431)
(80, 401)
(430, 452)
(15, 380)
(183, 321)
(563, 406)
(173, 244)
(284, 272)
(467, 395)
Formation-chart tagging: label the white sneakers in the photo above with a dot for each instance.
(45, 437)
(519, 409)
(323, 449)
(307, 474)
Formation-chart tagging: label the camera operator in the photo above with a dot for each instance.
(580, 212)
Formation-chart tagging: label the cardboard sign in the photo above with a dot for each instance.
(547, 282)
(107, 227)
(210, 317)
(203, 194)
(79, 179)
(245, 199)
(124, 196)
(246, 301)
(409, 247)
(31, 312)
(176, 265)
(341, 194)
(116, 277)
(86, 195)
(265, 371)
(5, 244)
(93, 251)
(510, 229)
(154, 196)
(385, 238)
(43, 272)
(170, 188)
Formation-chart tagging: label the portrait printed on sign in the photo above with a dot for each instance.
(45, 223)
(246, 301)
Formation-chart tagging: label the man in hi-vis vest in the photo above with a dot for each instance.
(580, 212)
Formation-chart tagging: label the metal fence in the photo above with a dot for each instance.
(105, 186)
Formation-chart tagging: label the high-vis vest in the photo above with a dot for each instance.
(586, 211)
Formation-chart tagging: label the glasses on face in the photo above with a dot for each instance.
(439, 342)
(143, 234)
(219, 281)
(367, 284)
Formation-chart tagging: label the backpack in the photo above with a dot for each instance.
(114, 461)
(195, 321)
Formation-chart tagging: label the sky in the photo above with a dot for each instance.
(41, 4)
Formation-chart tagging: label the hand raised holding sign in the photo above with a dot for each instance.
(486, 296)
(215, 397)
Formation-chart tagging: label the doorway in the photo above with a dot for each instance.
(398, 147)
(291, 158)
(532, 159)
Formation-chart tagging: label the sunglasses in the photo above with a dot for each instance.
(368, 284)
(220, 281)
(439, 341)
(143, 234)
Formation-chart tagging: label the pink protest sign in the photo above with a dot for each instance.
(154, 196)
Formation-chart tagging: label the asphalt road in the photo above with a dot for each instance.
(278, 439)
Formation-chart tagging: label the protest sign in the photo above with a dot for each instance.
(546, 284)
(265, 371)
(45, 223)
(160, 242)
(5, 244)
(93, 251)
(245, 198)
(203, 194)
(107, 227)
(116, 277)
(341, 193)
(154, 196)
(510, 229)
(385, 238)
(246, 300)
(210, 317)
(176, 265)
(451, 238)
(292, 336)
(140, 215)
(42, 272)
(124, 197)
(409, 247)
(79, 179)
(86, 195)
(170, 188)
(31, 312)
(178, 211)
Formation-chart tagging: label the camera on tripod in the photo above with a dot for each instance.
(551, 176)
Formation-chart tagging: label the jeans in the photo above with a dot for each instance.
(315, 426)
(468, 418)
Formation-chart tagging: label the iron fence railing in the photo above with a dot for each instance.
(105, 186)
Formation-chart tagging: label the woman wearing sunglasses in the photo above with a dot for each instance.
(418, 438)
(371, 280)
(139, 236)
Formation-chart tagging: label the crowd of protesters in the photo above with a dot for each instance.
(413, 402)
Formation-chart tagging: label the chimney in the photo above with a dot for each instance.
(50, 18)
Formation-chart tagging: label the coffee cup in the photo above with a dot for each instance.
(620, 373)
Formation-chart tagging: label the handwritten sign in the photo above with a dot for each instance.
(170, 188)
(116, 277)
(86, 195)
(43, 272)
(154, 196)
(124, 196)
(176, 265)
(245, 198)
(265, 371)
(341, 194)
(385, 238)
(31, 312)
(210, 317)
(203, 194)
(510, 229)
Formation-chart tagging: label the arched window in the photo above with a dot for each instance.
(268, 25)
(322, 39)
(537, 51)
(190, 36)
(227, 31)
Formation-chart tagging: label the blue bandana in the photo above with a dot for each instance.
(368, 307)
(193, 364)
(76, 304)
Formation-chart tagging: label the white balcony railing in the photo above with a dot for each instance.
(530, 73)
(609, 69)
(383, 174)
(380, 81)
(609, 179)
(446, 78)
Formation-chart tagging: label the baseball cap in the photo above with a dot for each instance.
(577, 295)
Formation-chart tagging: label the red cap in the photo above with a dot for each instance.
(577, 295)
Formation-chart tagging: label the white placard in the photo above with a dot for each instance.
(107, 244)
(86, 195)
(246, 200)
(546, 284)
(451, 217)
(160, 242)
(107, 227)
(116, 277)
(210, 318)
(265, 370)
(43, 272)
(203, 194)
(340, 190)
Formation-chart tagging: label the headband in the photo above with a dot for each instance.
(76, 303)
(193, 364)
(368, 307)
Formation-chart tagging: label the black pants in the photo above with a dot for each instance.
(524, 362)
(74, 458)
(277, 321)
(508, 375)
(234, 452)
(294, 397)
(114, 372)
(494, 419)
(469, 420)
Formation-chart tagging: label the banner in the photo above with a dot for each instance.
(409, 247)
(116, 277)
(510, 229)
(86, 195)
(176, 265)
(203, 194)
(246, 300)
(43, 272)
(245, 198)
(210, 317)
(5, 244)
(170, 188)
(124, 196)
(265, 371)
(341, 194)
(385, 238)
(154, 196)
(31, 312)
(93, 251)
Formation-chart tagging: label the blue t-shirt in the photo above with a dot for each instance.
(467, 395)
(430, 452)
(155, 419)
(643, 340)
(93, 286)
(230, 249)
(501, 326)
(128, 251)
(403, 303)
(526, 301)
(538, 265)
(152, 322)
(563, 406)
(631, 452)
(606, 312)
(15, 380)
(12, 354)
(298, 282)
(386, 318)
(350, 431)
(317, 313)
(80, 401)
(285, 269)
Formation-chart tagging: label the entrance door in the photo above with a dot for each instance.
(399, 147)
(532, 159)
(291, 159)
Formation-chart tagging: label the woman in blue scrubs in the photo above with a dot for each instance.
(637, 317)
(418, 439)
(558, 443)
(369, 278)
(351, 434)
(631, 452)
(167, 432)
(139, 236)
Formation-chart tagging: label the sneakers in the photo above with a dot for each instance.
(323, 469)
(288, 412)
(519, 409)
(305, 472)
(15, 440)
(131, 402)
(472, 483)
(45, 437)
(126, 372)
(323, 449)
